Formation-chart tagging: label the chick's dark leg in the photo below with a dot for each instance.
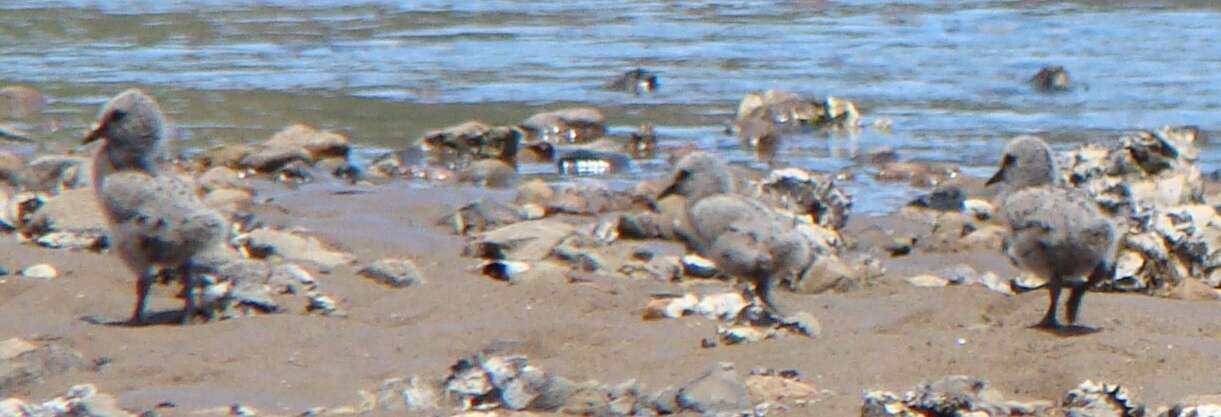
(1102, 272)
(1075, 295)
(1053, 291)
(764, 290)
(143, 284)
(187, 275)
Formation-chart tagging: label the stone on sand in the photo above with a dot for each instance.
(718, 390)
(39, 271)
(18, 101)
(395, 272)
(264, 242)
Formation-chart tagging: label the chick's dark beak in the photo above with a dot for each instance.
(996, 178)
(97, 131)
(1000, 175)
(669, 191)
(1006, 162)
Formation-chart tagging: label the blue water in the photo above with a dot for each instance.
(950, 75)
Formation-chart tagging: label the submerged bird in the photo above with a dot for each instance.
(1057, 232)
(156, 220)
(744, 237)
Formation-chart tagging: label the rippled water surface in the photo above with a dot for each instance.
(950, 75)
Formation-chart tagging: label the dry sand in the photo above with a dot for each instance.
(889, 335)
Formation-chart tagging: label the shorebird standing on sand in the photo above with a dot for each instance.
(156, 220)
(1057, 232)
(742, 236)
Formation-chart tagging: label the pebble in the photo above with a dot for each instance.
(18, 101)
(741, 334)
(398, 273)
(698, 266)
(323, 304)
(1051, 78)
(265, 242)
(668, 306)
(718, 390)
(39, 271)
(723, 306)
(804, 323)
(292, 279)
(635, 81)
(481, 216)
(508, 271)
(567, 125)
(13, 347)
(24, 363)
(927, 281)
(776, 386)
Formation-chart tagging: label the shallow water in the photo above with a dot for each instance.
(951, 75)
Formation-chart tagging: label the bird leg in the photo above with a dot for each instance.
(1074, 301)
(764, 290)
(1102, 271)
(188, 292)
(1053, 291)
(143, 283)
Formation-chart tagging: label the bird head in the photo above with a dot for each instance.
(1026, 162)
(131, 119)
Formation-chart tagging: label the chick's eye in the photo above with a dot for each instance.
(117, 115)
(1009, 159)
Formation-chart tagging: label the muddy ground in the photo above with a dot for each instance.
(887, 335)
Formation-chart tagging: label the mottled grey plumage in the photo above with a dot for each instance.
(744, 237)
(156, 220)
(1057, 233)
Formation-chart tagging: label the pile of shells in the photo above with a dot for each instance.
(742, 321)
(1092, 399)
(964, 395)
(805, 193)
(456, 145)
(82, 400)
(1166, 247)
(292, 155)
(487, 382)
(1195, 406)
(778, 111)
(486, 155)
(957, 395)
(1150, 181)
(1140, 170)
(235, 286)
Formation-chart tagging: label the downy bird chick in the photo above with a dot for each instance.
(156, 220)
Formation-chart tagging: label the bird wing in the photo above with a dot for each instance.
(1057, 223)
(742, 253)
(159, 214)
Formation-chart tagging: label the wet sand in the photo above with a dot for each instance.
(888, 335)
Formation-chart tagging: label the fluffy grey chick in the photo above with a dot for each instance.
(156, 220)
(1057, 232)
(744, 237)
